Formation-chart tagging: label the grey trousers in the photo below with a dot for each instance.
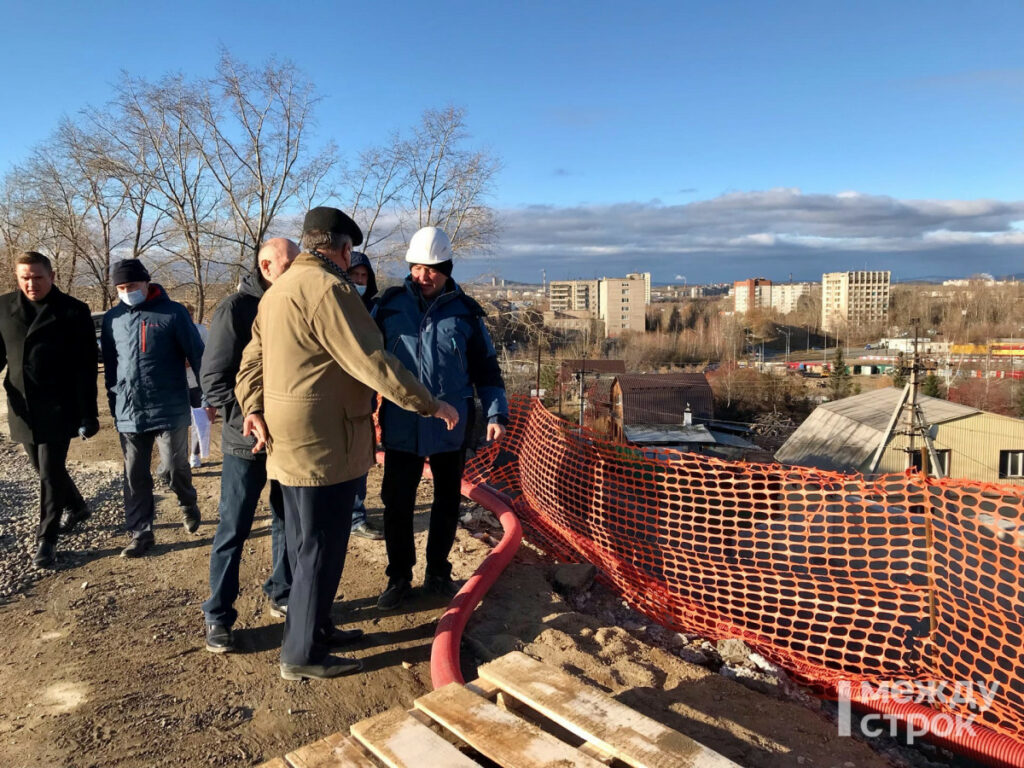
(172, 444)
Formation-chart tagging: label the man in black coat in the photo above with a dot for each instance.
(48, 344)
(243, 473)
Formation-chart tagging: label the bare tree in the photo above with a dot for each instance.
(448, 184)
(376, 188)
(252, 133)
(156, 126)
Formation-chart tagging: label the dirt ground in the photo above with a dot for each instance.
(103, 661)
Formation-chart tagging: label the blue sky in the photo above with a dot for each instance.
(711, 140)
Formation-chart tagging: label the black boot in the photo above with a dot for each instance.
(46, 555)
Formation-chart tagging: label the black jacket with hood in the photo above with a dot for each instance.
(230, 331)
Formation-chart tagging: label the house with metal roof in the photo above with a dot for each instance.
(669, 409)
(970, 443)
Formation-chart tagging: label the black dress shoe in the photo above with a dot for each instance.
(339, 637)
(393, 596)
(331, 666)
(219, 639)
(73, 517)
(440, 585)
(46, 555)
(190, 518)
(140, 544)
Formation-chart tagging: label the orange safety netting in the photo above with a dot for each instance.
(830, 576)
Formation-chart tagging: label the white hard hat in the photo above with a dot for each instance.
(429, 246)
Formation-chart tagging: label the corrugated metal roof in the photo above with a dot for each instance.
(842, 435)
(668, 434)
(661, 398)
(874, 409)
(594, 366)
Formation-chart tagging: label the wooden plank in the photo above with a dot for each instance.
(401, 741)
(352, 751)
(277, 762)
(334, 751)
(597, 718)
(498, 734)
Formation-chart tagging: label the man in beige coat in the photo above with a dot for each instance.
(305, 385)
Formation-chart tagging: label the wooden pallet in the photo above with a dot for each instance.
(520, 713)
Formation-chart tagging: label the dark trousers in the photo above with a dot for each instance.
(317, 526)
(359, 505)
(402, 472)
(57, 491)
(139, 507)
(241, 483)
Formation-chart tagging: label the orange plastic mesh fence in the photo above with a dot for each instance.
(830, 576)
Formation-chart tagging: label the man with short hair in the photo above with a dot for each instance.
(435, 329)
(304, 385)
(243, 473)
(146, 340)
(48, 344)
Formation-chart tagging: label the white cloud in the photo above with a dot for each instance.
(784, 229)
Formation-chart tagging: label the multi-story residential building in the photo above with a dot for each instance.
(646, 277)
(573, 295)
(621, 302)
(761, 293)
(754, 293)
(851, 299)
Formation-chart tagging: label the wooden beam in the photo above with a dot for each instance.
(497, 734)
(596, 718)
(401, 741)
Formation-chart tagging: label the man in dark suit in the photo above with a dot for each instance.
(48, 343)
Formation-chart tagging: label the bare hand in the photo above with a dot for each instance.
(211, 413)
(256, 426)
(495, 432)
(448, 414)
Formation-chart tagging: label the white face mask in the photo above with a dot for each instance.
(360, 289)
(132, 298)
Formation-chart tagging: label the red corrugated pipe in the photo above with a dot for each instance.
(980, 743)
(444, 655)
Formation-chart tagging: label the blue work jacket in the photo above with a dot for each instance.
(445, 344)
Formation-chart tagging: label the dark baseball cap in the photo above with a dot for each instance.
(325, 219)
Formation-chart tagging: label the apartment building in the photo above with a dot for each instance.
(751, 294)
(646, 277)
(761, 293)
(852, 299)
(620, 302)
(573, 295)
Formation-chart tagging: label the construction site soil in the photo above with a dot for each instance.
(103, 662)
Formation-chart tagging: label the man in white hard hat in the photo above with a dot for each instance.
(437, 331)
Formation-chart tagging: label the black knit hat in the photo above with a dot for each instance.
(128, 271)
(325, 219)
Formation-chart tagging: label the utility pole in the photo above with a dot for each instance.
(908, 410)
(583, 378)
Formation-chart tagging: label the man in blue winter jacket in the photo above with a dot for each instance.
(438, 332)
(146, 341)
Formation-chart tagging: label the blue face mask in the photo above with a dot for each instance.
(360, 289)
(132, 298)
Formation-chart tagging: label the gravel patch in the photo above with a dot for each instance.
(100, 485)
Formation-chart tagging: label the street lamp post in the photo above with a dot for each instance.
(788, 334)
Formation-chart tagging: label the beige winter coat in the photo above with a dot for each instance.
(313, 363)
